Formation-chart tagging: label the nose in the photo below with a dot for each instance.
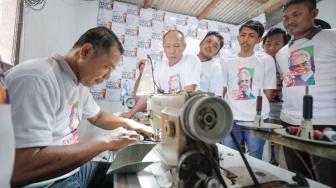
(172, 50)
(246, 38)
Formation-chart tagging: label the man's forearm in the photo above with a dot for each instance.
(39, 164)
(269, 93)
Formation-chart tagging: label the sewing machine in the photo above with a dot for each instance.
(191, 124)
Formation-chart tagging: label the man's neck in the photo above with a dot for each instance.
(304, 34)
(245, 53)
(203, 59)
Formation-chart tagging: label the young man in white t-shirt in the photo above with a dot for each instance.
(245, 73)
(273, 41)
(308, 59)
(180, 72)
(50, 96)
(212, 74)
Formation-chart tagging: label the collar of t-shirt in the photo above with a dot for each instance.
(65, 66)
(309, 36)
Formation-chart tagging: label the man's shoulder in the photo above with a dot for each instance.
(190, 57)
(263, 55)
(34, 68)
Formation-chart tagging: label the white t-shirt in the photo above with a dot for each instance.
(7, 143)
(321, 79)
(257, 72)
(173, 79)
(47, 104)
(212, 77)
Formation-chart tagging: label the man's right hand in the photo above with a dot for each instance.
(120, 138)
(128, 115)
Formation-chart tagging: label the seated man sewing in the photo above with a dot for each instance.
(180, 72)
(50, 97)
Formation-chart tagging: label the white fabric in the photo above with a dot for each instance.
(173, 79)
(323, 92)
(262, 69)
(47, 103)
(212, 77)
(7, 142)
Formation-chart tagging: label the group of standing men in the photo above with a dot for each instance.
(50, 96)
(281, 73)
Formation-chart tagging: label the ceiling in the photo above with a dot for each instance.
(228, 11)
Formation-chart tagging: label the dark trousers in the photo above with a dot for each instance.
(311, 166)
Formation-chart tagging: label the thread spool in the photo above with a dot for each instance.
(318, 135)
(292, 130)
(308, 107)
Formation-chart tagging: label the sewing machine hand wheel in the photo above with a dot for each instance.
(208, 119)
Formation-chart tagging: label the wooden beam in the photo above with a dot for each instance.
(275, 6)
(321, 150)
(146, 4)
(207, 9)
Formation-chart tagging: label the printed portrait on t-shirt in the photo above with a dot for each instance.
(74, 117)
(174, 83)
(244, 84)
(301, 68)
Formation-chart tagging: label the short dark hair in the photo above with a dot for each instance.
(274, 31)
(310, 4)
(255, 25)
(178, 31)
(101, 38)
(218, 35)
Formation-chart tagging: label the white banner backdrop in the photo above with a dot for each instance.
(141, 31)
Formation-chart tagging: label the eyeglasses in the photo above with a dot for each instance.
(303, 64)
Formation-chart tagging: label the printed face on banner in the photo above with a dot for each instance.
(203, 24)
(114, 83)
(132, 30)
(144, 43)
(106, 4)
(146, 22)
(182, 20)
(159, 16)
(119, 17)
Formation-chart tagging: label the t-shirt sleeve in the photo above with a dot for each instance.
(90, 107)
(33, 110)
(270, 73)
(225, 74)
(216, 82)
(192, 71)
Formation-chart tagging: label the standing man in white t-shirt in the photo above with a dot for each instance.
(50, 97)
(273, 41)
(245, 73)
(212, 74)
(180, 72)
(310, 54)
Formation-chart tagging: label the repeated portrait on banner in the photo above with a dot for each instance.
(141, 33)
